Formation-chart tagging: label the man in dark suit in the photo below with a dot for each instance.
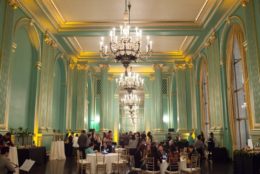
(83, 142)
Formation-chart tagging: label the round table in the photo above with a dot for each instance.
(109, 159)
(57, 150)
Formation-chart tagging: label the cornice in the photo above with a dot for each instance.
(216, 27)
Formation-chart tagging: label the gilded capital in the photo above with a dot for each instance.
(104, 67)
(244, 3)
(207, 44)
(212, 37)
(228, 20)
(82, 67)
(13, 3)
(157, 66)
(49, 41)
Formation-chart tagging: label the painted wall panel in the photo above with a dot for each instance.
(21, 83)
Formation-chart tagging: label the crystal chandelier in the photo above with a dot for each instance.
(126, 45)
(130, 100)
(130, 81)
(131, 110)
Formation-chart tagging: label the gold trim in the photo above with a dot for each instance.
(49, 41)
(13, 3)
(244, 3)
(38, 65)
(83, 67)
(14, 46)
(56, 13)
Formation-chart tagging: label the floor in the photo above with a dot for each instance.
(69, 167)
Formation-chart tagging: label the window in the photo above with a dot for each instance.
(239, 97)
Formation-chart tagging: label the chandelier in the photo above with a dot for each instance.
(131, 110)
(130, 81)
(126, 45)
(130, 100)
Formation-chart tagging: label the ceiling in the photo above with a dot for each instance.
(174, 25)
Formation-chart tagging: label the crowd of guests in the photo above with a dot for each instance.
(5, 165)
(142, 145)
(89, 142)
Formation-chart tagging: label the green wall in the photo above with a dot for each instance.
(20, 110)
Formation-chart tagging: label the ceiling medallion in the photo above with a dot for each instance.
(126, 45)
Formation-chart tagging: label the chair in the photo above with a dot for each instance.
(83, 164)
(194, 165)
(119, 165)
(132, 166)
(100, 163)
(173, 166)
(150, 167)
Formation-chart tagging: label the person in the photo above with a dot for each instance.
(156, 159)
(132, 145)
(162, 154)
(190, 139)
(97, 143)
(1, 141)
(149, 138)
(211, 145)
(66, 137)
(202, 136)
(75, 141)
(199, 146)
(83, 143)
(106, 148)
(90, 149)
(5, 165)
(139, 156)
(7, 139)
(191, 151)
(173, 159)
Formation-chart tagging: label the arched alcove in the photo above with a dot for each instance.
(22, 82)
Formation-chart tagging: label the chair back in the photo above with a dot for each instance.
(149, 162)
(195, 161)
(173, 163)
(100, 158)
(79, 155)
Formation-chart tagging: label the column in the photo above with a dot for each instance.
(181, 100)
(158, 98)
(104, 97)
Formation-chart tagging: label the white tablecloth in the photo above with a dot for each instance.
(163, 166)
(119, 150)
(109, 159)
(57, 150)
(14, 157)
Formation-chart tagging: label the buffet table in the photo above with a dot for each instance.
(37, 154)
(246, 162)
